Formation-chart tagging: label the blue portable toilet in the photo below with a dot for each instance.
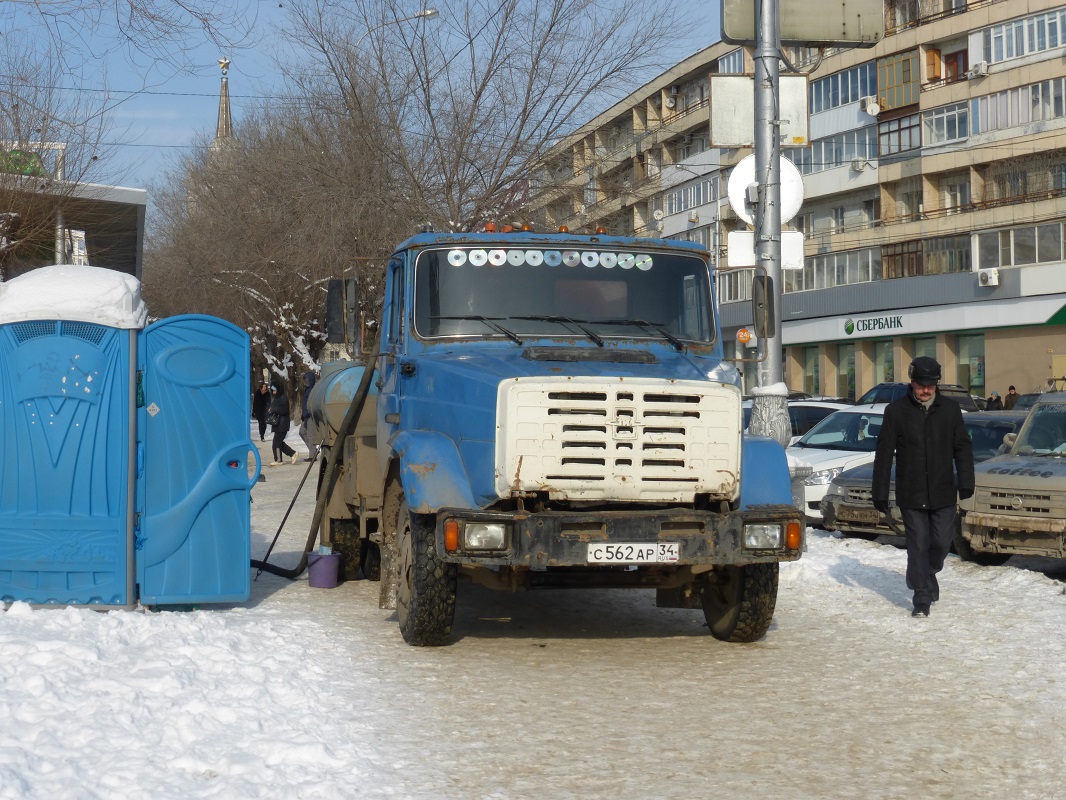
(124, 471)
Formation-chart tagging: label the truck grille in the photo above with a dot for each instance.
(586, 438)
(1005, 501)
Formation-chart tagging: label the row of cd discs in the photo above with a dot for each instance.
(552, 258)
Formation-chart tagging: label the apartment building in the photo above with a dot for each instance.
(934, 195)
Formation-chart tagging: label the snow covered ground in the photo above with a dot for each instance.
(311, 693)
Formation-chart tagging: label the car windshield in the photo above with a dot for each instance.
(1044, 432)
(988, 439)
(518, 292)
(844, 430)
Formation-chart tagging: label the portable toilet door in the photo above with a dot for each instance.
(193, 537)
(66, 429)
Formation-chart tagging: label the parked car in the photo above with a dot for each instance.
(848, 506)
(802, 414)
(1026, 401)
(846, 438)
(1019, 503)
(887, 392)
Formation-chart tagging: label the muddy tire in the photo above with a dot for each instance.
(965, 551)
(425, 602)
(739, 601)
(370, 562)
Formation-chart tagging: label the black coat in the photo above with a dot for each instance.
(280, 406)
(260, 401)
(929, 448)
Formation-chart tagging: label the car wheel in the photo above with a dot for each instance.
(739, 601)
(425, 601)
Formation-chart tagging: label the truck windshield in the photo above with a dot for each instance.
(1044, 432)
(541, 292)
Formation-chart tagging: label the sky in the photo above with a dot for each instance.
(306, 692)
(154, 127)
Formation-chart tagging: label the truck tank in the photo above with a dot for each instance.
(332, 395)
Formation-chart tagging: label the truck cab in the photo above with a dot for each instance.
(554, 410)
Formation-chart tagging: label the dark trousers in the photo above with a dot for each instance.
(928, 542)
(262, 427)
(279, 446)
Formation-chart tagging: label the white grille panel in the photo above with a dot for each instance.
(587, 438)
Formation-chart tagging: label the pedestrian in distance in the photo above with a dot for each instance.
(994, 403)
(1010, 399)
(307, 430)
(925, 434)
(260, 401)
(278, 416)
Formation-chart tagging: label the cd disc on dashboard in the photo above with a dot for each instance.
(457, 257)
(478, 258)
(534, 258)
(553, 258)
(497, 257)
(516, 257)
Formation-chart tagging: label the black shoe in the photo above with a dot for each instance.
(920, 609)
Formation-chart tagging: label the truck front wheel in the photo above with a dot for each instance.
(739, 601)
(425, 602)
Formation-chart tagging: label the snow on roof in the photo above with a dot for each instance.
(81, 294)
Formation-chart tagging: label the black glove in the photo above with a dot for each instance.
(965, 494)
(881, 505)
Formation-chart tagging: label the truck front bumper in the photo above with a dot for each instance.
(563, 538)
(1004, 533)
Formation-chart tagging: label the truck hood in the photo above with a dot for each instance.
(1021, 472)
(490, 366)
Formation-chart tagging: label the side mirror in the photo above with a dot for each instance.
(762, 305)
(342, 305)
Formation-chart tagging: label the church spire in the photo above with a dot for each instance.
(224, 131)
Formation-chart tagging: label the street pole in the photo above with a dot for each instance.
(770, 411)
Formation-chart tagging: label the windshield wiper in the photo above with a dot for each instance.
(491, 322)
(655, 326)
(555, 318)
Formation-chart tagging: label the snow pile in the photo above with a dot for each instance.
(81, 294)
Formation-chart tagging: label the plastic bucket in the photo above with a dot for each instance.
(322, 570)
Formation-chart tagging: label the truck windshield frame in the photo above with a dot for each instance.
(534, 291)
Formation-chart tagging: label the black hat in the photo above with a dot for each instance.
(925, 370)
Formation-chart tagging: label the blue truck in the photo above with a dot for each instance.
(551, 410)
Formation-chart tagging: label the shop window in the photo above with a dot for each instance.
(846, 371)
(924, 346)
(884, 362)
(812, 383)
(971, 363)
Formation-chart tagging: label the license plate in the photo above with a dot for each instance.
(633, 552)
(871, 515)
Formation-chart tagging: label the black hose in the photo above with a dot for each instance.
(329, 479)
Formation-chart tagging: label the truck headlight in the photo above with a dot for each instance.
(762, 536)
(835, 491)
(822, 478)
(484, 536)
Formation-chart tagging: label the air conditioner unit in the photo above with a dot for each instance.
(858, 164)
(870, 105)
(693, 217)
(979, 70)
(670, 102)
(988, 277)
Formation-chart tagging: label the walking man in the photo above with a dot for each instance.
(925, 434)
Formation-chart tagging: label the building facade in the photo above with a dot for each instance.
(934, 195)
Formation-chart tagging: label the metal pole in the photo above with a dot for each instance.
(770, 411)
(768, 172)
